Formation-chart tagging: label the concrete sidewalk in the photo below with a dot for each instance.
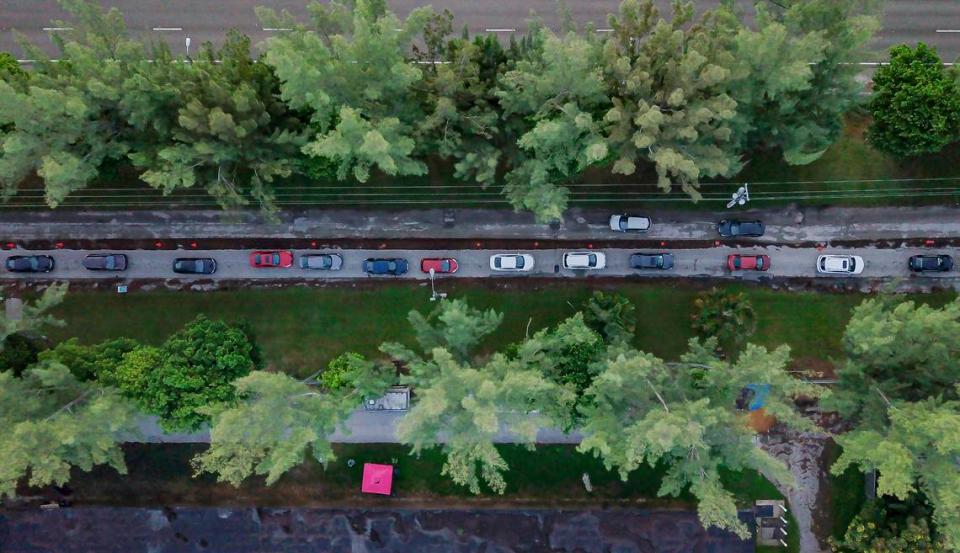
(364, 427)
(783, 225)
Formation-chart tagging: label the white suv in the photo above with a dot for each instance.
(584, 260)
(840, 264)
(629, 223)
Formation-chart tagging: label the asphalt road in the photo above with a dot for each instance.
(935, 22)
(880, 263)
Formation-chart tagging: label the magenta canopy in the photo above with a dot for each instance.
(377, 479)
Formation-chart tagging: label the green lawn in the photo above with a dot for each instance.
(551, 476)
(301, 329)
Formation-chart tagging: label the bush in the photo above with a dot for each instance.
(18, 353)
(340, 371)
(727, 316)
(96, 362)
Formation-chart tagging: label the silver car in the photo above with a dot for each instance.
(322, 262)
(629, 223)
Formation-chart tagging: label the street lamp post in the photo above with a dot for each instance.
(188, 48)
(433, 289)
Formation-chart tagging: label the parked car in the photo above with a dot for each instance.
(740, 262)
(195, 265)
(840, 264)
(105, 262)
(930, 263)
(733, 227)
(661, 261)
(629, 223)
(393, 266)
(439, 265)
(519, 262)
(271, 258)
(30, 263)
(322, 261)
(584, 260)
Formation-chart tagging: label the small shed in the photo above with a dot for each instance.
(377, 479)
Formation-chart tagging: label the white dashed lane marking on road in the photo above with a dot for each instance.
(500, 30)
(276, 29)
(168, 28)
(948, 30)
(58, 28)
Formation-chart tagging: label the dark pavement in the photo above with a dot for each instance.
(133, 530)
(173, 20)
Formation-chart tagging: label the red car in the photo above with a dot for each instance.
(737, 262)
(272, 258)
(439, 265)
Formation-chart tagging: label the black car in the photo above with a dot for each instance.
(394, 266)
(930, 263)
(733, 227)
(105, 262)
(30, 263)
(195, 265)
(661, 261)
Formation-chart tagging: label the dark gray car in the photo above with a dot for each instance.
(105, 262)
(322, 262)
(733, 227)
(662, 261)
(195, 265)
(30, 263)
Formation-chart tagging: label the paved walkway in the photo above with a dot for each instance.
(783, 225)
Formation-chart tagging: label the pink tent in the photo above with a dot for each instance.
(377, 479)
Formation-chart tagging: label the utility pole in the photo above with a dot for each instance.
(188, 48)
(741, 196)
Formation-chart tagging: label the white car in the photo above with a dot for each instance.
(840, 264)
(584, 260)
(511, 262)
(629, 223)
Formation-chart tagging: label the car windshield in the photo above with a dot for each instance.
(853, 265)
(198, 265)
(276, 259)
(519, 261)
(736, 262)
(110, 262)
(34, 262)
(760, 263)
(392, 266)
(592, 259)
(445, 265)
(623, 223)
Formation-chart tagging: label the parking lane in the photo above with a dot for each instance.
(791, 262)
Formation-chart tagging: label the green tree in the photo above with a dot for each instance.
(807, 120)
(340, 372)
(34, 315)
(463, 409)
(215, 122)
(915, 103)
(67, 124)
(611, 315)
(558, 88)
(94, 362)
(193, 369)
(896, 351)
(640, 410)
(463, 406)
(669, 83)
(53, 422)
(454, 326)
(461, 111)
(351, 74)
(277, 419)
(874, 530)
(10, 70)
(727, 316)
(917, 452)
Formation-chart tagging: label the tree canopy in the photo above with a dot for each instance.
(915, 104)
(53, 422)
(642, 410)
(357, 91)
